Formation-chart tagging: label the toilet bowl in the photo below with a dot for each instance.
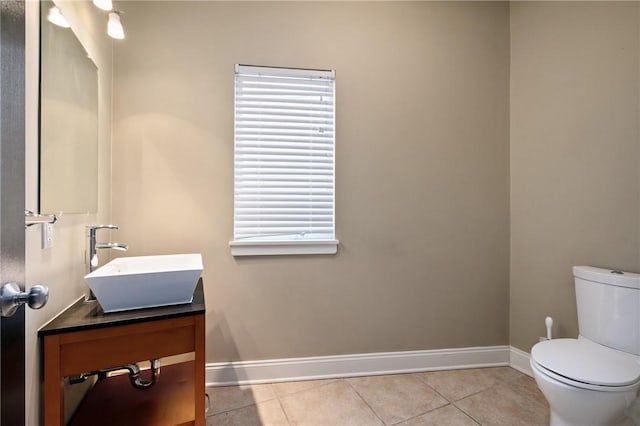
(594, 379)
(585, 383)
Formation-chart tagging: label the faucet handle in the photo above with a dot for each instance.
(94, 227)
(91, 229)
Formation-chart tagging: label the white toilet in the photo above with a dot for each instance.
(592, 380)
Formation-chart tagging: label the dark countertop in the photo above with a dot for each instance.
(84, 315)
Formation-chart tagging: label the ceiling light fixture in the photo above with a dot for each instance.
(55, 17)
(103, 4)
(114, 27)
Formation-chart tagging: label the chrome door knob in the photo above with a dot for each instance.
(11, 298)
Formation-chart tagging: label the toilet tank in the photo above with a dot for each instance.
(609, 307)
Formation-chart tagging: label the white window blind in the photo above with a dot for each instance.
(284, 157)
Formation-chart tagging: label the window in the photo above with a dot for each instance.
(284, 161)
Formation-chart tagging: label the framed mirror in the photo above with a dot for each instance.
(68, 121)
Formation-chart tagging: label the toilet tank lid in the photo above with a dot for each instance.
(607, 276)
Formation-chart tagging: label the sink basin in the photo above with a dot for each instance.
(139, 282)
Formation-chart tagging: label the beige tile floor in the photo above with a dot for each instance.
(482, 396)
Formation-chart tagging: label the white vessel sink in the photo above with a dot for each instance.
(139, 282)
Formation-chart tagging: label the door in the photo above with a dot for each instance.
(12, 202)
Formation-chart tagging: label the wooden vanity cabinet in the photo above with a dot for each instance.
(83, 339)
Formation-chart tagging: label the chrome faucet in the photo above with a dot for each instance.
(92, 250)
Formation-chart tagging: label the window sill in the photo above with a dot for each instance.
(279, 248)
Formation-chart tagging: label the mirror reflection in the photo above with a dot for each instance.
(68, 121)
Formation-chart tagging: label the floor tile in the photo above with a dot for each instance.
(526, 386)
(336, 403)
(226, 398)
(503, 405)
(489, 396)
(445, 416)
(287, 388)
(458, 384)
(263, 414)
(506, 374)
(395, 398)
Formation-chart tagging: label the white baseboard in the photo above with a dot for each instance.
(520, 361)
(338, 366)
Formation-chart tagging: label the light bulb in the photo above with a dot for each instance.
(103, 4)
(114, 27)
(55, 17)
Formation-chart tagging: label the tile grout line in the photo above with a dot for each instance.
(286, 416)
(421, 414)
(473, 394)
(453, 401)
(424, 380)
(365, 401)
(412, 417)
(467, 414)
(423, 375)
(244, 406)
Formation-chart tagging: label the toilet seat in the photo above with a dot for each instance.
(585, 364)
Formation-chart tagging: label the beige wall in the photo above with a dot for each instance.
(62, 267)
(423, 156)
(422, 170)
(574, 154)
